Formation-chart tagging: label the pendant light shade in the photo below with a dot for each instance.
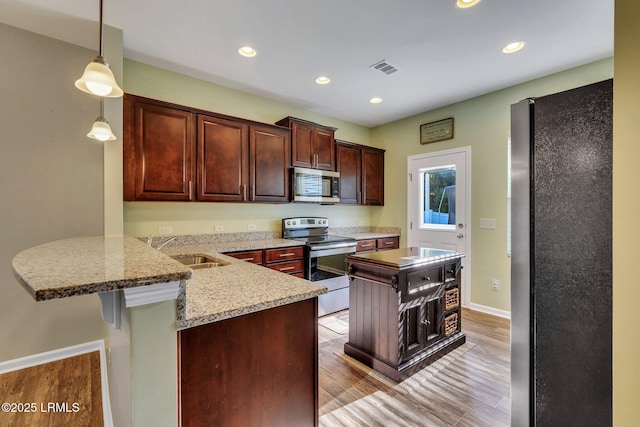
(98, 78)
(101, 130)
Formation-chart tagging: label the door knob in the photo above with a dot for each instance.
(460, 236)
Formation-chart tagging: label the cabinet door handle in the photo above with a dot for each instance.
(425, 322)
(244, 192)
(287, 254)
(190, 193)
(253, 192)
(427, 278)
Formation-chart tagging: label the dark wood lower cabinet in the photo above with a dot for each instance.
(260, 369)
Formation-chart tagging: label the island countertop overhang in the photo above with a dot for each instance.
(403, 258)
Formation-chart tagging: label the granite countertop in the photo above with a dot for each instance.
(231, 246)
(369, 235)
(365, 232)
(86, 265)
(236, 289)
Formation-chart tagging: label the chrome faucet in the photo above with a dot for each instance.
(161, 245)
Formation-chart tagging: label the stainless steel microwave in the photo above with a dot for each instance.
(313, 185)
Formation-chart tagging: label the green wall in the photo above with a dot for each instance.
(483, 123)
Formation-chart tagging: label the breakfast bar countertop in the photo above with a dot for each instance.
(86, 265)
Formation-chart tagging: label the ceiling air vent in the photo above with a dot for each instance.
(384, 67)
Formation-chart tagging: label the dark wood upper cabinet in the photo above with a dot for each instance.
(159, 147)
(269, 150)
(372, 176)
(173, 152)
(223, 160)
(312, 145)
(361, 173)
(349, 164)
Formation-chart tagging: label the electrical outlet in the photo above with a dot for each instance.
(219, 228)
(488, 223)
(252, 227)
(165, 229)
(495, 285)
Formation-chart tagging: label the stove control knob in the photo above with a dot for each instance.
(288, 222)
(295, 222)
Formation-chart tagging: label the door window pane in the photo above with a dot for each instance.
(438, 197)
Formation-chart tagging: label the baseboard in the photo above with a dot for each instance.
(490, 310)
(64, 353)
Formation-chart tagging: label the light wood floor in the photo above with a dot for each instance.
(469, 388)
(66, 392)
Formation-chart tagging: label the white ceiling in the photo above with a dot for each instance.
(444, 54)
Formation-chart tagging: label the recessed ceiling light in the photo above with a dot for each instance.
(513, 47)
(463, 4)
(322, 80)
(375, 100)
(247, 51)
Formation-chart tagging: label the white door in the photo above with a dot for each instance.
(438, 204)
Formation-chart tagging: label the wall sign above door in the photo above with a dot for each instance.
(436, 131)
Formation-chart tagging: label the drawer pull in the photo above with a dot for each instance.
(367, 245)
(425, 322)
(287, 268)
(245, 259)
(427, 278)
(287, 254)
(389, 243)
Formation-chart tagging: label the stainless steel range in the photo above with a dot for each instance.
(324, 259)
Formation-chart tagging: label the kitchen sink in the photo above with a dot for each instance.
(200, 261)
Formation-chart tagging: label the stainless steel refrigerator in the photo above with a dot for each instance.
(561, 279)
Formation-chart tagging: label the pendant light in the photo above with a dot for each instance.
(98, 78)
(101, 129)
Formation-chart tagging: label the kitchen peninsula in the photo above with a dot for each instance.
(237, 326)
(404, 308)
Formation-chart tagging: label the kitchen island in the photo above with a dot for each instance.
(404, 308)
(240, 346)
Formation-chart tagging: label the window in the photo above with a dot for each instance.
(438, 197)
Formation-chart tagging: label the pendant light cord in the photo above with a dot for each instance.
(100, 51)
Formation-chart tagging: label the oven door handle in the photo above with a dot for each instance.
(333, 246)
(344, 248)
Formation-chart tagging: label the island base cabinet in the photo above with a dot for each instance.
(260, 369)
(401, 320)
